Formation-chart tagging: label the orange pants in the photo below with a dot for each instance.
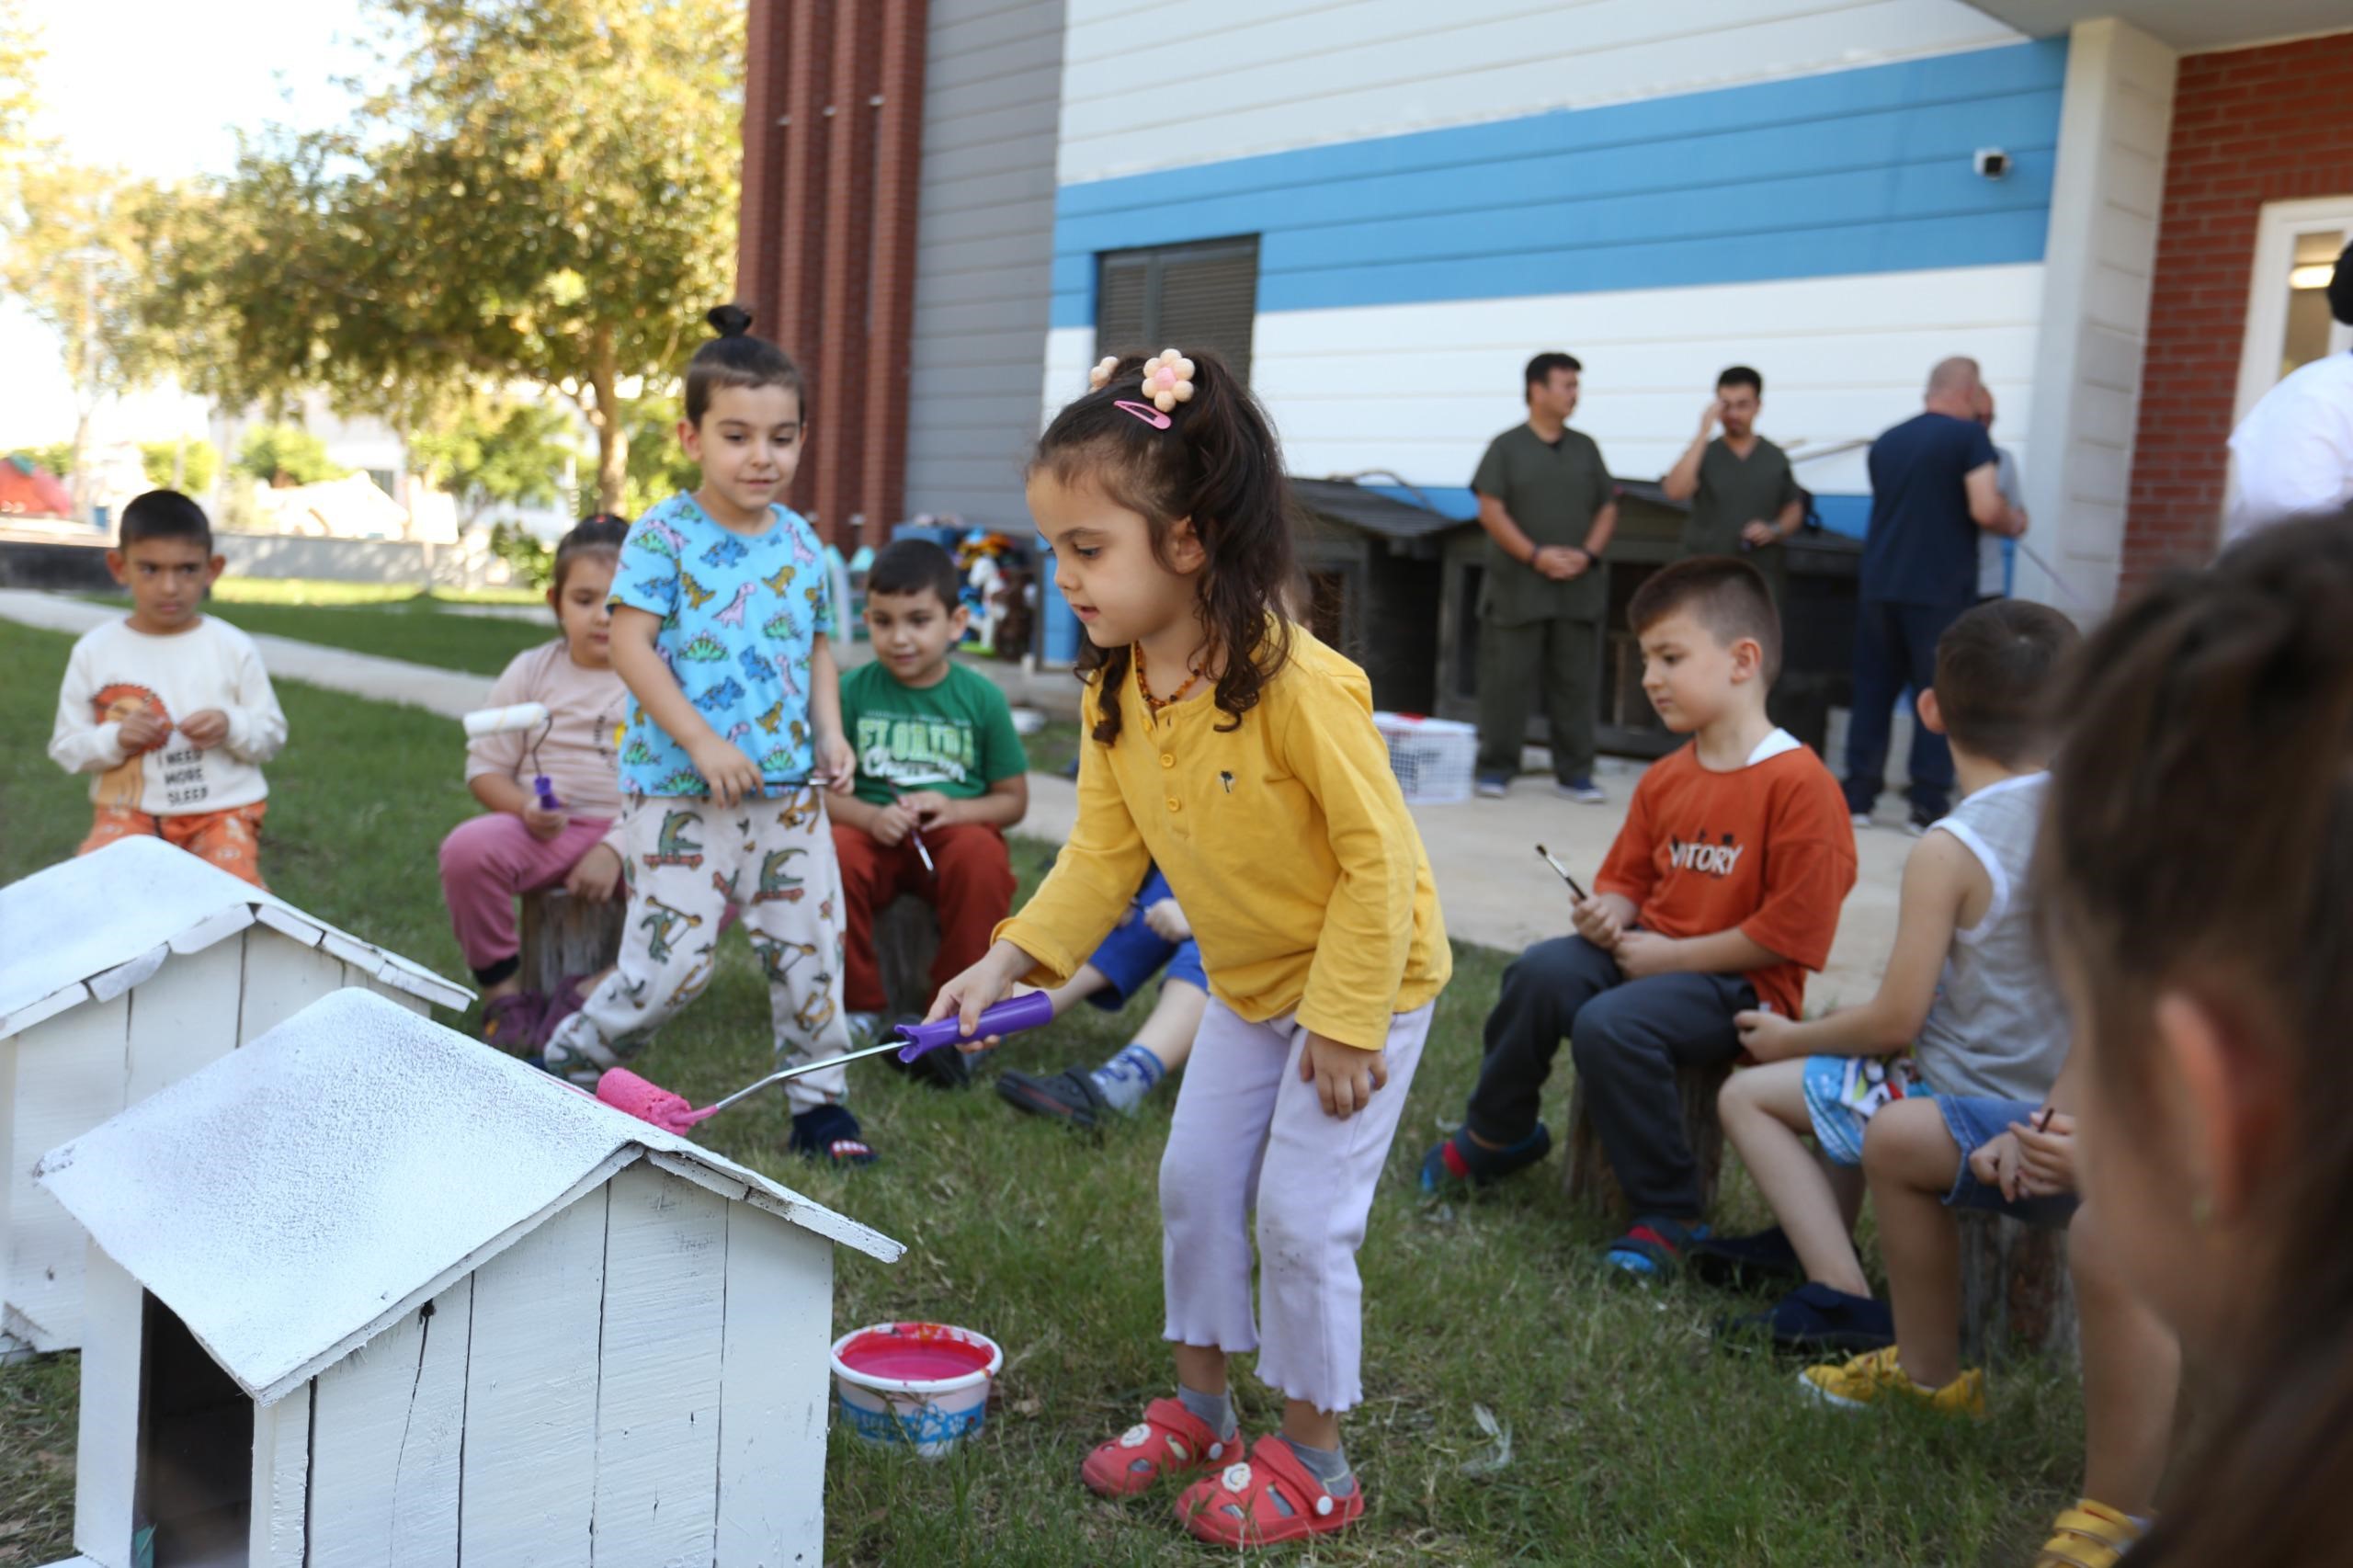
(230, 839)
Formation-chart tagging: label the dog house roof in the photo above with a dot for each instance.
(294, 1198)
(92, 928)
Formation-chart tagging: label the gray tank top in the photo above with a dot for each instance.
(1997, 1027)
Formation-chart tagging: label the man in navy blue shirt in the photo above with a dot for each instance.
(1935, 485)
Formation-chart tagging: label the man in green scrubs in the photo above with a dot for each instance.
(1546, 501)
(1745, 500)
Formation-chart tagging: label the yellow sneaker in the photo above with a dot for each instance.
(2090, 1535)
(1874, 1376)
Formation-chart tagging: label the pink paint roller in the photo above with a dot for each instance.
(521, 716)
(624, 1090)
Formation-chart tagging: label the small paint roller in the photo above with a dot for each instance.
(1564, 871)
(521, 716)
(624, 1090)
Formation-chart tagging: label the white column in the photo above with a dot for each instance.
(2106, 197)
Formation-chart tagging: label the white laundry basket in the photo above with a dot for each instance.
(1433, 758)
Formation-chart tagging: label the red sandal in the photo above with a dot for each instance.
(1169, 1440)
(1271, 1498)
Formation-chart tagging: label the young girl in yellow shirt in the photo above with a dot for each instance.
(1237, 753)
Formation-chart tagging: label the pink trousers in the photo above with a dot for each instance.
(488, 863)
(1247, 1133)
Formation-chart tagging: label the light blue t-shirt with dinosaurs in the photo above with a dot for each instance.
(740, 615)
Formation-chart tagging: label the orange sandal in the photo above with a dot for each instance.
(1169, 1440)
(1271, 1498)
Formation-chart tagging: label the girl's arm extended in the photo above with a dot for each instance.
(1939, 874)
(724, 768)
(834, 758)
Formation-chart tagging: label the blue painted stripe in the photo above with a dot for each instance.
(1857, 171)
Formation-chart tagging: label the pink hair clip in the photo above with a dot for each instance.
(1145, 412)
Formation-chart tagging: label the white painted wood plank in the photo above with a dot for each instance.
(48, 1007)
(217, 927)
(390, 992)
(68, 1079)
(106, 1454)
(385, 1450)
(282, 977)
(657, 1406)
(309, 933)
(773, 1393)
(529, 1489)
(352, 952)
(184, 1018)
(281, 1482)
(108, 985)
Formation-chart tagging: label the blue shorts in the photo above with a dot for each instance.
(1842, 1092)
(1133, 952)
(1975, 1121)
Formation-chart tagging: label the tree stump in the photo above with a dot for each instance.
(563, 935)
(2015, 1294)
(906, 939)
(1589, 1181)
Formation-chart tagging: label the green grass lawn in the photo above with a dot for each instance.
(1634, 1439)
(416, 628)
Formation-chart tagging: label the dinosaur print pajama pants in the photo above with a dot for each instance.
(688, 862)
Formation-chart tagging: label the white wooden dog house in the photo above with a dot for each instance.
(121, 971)
(367, 1291)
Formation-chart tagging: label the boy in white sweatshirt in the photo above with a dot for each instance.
(169, 708)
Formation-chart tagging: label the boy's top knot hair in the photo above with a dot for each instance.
(1996, 668)
(736, 358)
(164, 514)
(1207, 457)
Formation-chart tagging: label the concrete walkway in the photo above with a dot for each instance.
(1494, 888)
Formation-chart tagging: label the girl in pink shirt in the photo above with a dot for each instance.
(518, 849)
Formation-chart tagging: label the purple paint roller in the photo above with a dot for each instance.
(648, 1101)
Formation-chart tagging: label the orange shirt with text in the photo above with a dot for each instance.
(1767, 848)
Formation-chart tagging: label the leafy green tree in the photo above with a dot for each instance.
(540, 191)
(198, 462)
(485, 453)
(658, 467)
(57, 456)
(286, 454)
(20, 52)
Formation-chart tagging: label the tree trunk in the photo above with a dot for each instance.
(612, 436)
(83, 490)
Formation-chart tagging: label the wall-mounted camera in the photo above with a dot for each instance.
(1991, 164)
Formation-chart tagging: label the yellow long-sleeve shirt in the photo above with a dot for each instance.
(1286, 841)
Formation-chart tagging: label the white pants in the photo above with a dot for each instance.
(1248, 1131)
(688, 860)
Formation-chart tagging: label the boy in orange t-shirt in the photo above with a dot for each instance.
(1721, 890)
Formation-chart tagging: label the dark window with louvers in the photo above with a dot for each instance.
(1186, 297)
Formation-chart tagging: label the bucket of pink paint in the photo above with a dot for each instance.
(921, 1385)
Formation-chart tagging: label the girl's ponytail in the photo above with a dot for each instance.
(1211, 458)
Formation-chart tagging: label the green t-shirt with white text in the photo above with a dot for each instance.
(956, 737)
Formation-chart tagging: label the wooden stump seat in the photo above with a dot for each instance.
(563, 935)
(906, 939)
(2016, 1294)
(1589, 1181)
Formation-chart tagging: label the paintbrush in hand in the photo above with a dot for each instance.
(1565, 872)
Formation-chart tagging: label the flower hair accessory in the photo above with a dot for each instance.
(1169, 380)
(1100, 377)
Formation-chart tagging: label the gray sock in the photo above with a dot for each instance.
(1214, 1411)
(1329, 1466)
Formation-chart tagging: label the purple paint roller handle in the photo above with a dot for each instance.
(1026, 1012)
(548, 802)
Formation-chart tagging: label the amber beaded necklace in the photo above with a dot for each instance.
(1154, 705)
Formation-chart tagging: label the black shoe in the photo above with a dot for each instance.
(1069, 1097)
(1816, 1320)
(1741, 1263)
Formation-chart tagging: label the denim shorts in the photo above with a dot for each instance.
(1133, 952)
(1975, 1121)
(1838, 1122)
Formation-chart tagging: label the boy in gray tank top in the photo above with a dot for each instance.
(1966, 1011)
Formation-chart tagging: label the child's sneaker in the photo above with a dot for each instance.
(830, 1134)
(1460, 1160)
(2090, 1535)
(1269, 1497)
(1169, 1440)
(1816, 1320)
(1875, 1377)
(511, 1023)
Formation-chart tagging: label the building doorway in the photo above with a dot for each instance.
(2287, 324)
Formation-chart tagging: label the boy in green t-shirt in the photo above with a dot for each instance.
(940, 775)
